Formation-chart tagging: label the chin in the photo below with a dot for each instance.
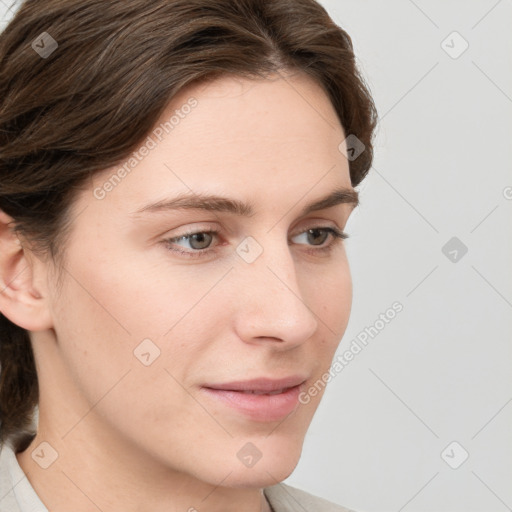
(262, 462)
(260, 476)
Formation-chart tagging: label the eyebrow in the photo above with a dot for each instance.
(215, 203)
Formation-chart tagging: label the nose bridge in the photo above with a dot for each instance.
(271, 304)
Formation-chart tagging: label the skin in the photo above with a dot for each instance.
(133, 437)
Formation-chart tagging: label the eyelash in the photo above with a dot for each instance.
(337, 235)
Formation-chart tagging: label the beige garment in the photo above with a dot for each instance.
(285, 498)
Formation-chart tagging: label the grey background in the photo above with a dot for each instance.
(439, 372)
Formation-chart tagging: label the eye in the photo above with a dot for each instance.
(320, 234)
(313, 233)
(200, 241)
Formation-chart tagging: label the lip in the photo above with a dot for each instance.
(261, 399)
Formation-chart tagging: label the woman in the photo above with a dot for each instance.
(175, 181)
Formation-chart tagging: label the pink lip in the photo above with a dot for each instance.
(259, 399)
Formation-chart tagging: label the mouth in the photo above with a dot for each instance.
(269, 393)
(262, 400)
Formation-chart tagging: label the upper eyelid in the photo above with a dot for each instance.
(310, 223)
(337, 235)
(219, 232)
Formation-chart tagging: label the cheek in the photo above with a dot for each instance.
(330, 298)
(150, 294)
(93, 344)
(113, 316)
(94, 316)
(97, 354)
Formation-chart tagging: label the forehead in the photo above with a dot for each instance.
(281, 107)
(272, 136)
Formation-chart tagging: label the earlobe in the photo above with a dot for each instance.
(20, 300)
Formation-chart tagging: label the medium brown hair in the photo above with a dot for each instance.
(88, 105)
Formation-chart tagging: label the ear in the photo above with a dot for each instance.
(23, 300)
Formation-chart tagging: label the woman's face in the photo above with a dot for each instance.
(189, 352)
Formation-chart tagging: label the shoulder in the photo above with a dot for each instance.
(285, 498)
(7, 498)
(16, 492)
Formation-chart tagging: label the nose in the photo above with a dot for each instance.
(271, 306)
